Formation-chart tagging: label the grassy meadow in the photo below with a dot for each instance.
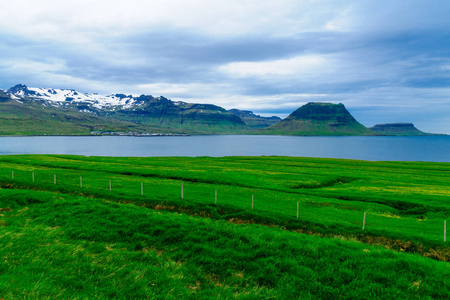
(117, 227)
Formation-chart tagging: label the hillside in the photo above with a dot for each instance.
(397, 129)
(254, 121)
(76, 227)
(31, 118)
(160, 113)
(181, 116)
(317, 118)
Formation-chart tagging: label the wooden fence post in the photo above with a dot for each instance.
(12, 174)
(252, 201)
(110, 188)
(364, 220)
(215, 197)
(182, 192)
(54, 179)
(142, 188)
(297, 210)
(81, 182)
(32, 176)
(445, 230)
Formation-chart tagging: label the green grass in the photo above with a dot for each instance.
(73, 247)
(65, 241)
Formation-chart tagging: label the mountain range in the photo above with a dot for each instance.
(150, 113)
(36, 111)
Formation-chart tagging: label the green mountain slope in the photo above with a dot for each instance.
(319, 119)
(181, 116)
(31, 118)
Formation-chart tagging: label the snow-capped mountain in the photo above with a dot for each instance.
(143, 110)
(59, 97)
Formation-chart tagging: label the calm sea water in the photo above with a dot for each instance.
(420, 148)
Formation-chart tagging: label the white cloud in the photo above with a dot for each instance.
(281, 102)
(397, 96)
(88, 19)
(296, 66)
(341, 22)
(31, 66)
(194, 92)
(84, 19)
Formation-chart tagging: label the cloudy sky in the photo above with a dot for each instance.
(387, 61)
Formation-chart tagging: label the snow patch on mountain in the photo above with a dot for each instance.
(59, 97)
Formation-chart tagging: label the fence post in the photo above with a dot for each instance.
(182, 192)
(252, 200)
(364, 220)
(297, 210)
(54, 179)
(81, 182)
(12, 174)
(32, 176)
(445, 230)
(216, 197)
(110, 186)
(142, 188)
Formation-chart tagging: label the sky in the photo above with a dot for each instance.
(386, 61)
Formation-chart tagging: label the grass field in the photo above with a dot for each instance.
(78, 239)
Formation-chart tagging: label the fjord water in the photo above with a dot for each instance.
(378, 148)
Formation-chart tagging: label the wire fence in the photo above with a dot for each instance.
(289, 205)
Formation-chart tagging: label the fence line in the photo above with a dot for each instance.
(15, 176)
